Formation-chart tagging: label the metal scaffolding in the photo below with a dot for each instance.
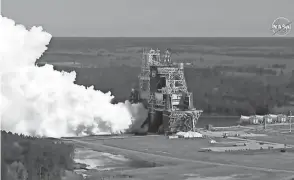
(174, 90)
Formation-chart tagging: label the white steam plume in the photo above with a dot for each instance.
(42, 101)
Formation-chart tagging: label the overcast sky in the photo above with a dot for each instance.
(124, 18)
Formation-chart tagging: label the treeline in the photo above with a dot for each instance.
(26, 157)
(242, 52)
(286, 55)
(279, 66)
(248, 69)
(214, 91)
(235, 95)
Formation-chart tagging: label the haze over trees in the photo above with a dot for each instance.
(228, 76)
(214, 90)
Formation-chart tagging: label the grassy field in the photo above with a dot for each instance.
(181, 160)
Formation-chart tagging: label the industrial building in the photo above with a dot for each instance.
(163, 87)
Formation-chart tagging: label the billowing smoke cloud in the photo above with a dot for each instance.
(42, 101)
(139, 115)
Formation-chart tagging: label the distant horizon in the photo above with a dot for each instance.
(150, 18)
(279, 37)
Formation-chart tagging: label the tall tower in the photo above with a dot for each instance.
(163, 86)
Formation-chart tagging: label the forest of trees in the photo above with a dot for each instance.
(25, 157)
(214, 91)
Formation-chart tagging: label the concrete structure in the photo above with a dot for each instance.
(254, 119)
(268, 119)
(281, 118)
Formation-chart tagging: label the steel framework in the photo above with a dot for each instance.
(180, 119)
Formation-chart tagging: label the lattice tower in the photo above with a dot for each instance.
(184, 120)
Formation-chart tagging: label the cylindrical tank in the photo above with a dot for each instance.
(181, 65)
(155, 121)
(209, 127)
(165, 121)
